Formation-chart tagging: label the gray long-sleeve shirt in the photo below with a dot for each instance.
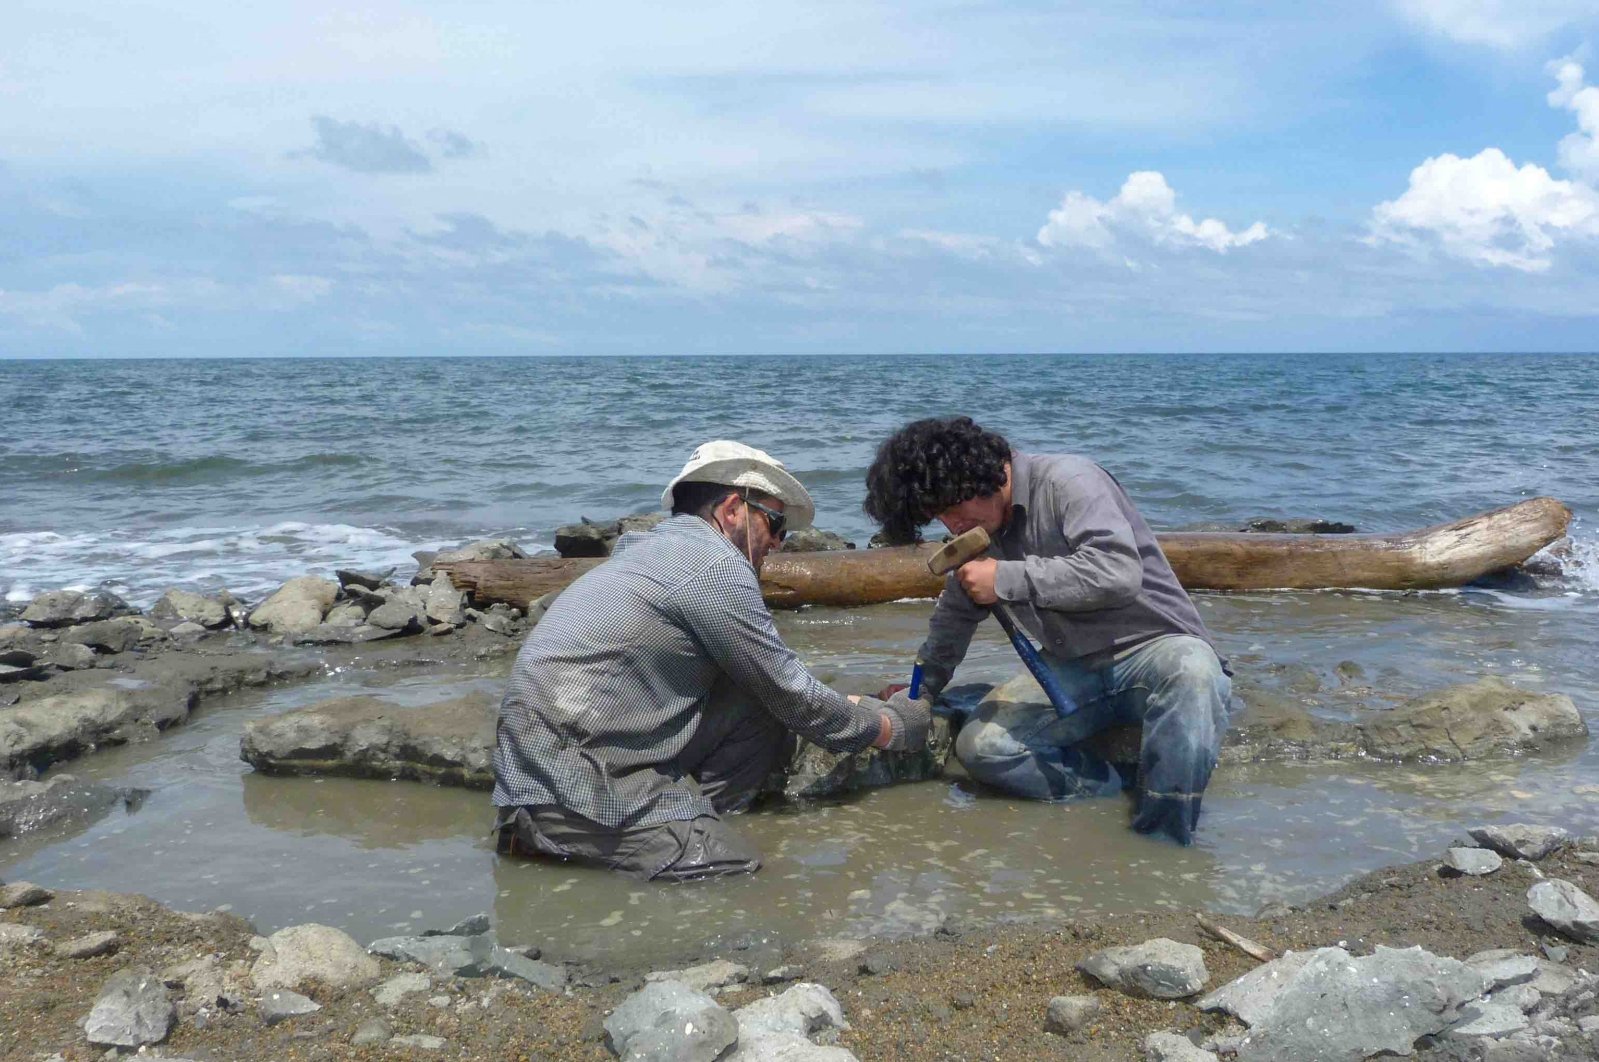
(609, 687)
(1078, 568)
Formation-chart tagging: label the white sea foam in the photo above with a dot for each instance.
(249, 561)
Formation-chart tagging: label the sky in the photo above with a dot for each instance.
(484, 177)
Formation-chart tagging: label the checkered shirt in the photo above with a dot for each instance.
(609, 687)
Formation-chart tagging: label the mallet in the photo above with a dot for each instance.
(952, 555)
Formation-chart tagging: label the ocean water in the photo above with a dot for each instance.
(140, 475)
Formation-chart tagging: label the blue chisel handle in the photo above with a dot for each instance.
(915, 690)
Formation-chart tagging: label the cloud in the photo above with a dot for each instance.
(365, 148)
(1496, 23)
(1487, 210)
(1579, 151)
(1144, 211)
(453, 145)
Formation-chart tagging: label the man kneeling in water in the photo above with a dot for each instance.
(655, 695)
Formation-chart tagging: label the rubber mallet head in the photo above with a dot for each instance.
(958, 551)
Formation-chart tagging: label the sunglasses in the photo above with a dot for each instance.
(774, 519)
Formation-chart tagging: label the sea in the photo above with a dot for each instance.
(138, 476)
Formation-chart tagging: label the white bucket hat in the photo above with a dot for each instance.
(735, 465)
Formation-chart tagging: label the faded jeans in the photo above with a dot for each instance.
(1173, 687)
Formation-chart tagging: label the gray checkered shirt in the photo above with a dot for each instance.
(610, 685)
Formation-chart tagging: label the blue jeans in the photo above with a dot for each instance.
(1173, 687)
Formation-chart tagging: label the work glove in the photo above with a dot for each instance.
(909, 720)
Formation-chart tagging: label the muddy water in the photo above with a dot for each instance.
(383, 858)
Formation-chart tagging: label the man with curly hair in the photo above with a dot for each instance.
(1079, 569)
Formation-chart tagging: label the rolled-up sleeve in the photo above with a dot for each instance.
(723, 609)
(1102, 569)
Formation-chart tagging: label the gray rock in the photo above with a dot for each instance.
(1249, 997)
(1159, 969)
(106, 636)
(281, 1004)
(806, 1010)
(63, 608)
(1489, 1019)
(335, 634)
(815, 540)
(57, 727)
(1338, 1007)
(496, 623)
(1567, 908)
(1470, 721)
(345, 614)
(484, 549)
(1472, 861)
(669, 1020)
(586, 539)
(396, 615)
(177, 607)
(392, 991)
(15, 935)
(705, 976)
(421, 1042)
(371, 1031)
(815, 773)
(1070, 1014)
(299, 953)
(472, 926)
(780, 974)
(296, 607)
(24, 894)
(471, 956)
(134, 1008)
(446, 604)
(71, 656)
(1521, 841)
(504, 962)
(90, 945)
(365, 580)
(1523, 997)
(1169, 1047)
(1502, 967)
(188, 630)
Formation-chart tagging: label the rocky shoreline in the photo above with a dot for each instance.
(1491, 964)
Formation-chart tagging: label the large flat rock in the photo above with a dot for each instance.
(45, 730)
(28, 805)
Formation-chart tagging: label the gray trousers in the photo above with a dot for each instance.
(736, 745)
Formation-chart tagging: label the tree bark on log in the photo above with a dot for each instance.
(1434, 557)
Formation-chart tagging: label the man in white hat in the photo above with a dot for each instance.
(655, 695)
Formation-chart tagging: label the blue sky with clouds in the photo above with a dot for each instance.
(488, 177)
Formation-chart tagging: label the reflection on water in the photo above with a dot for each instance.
(379, 858)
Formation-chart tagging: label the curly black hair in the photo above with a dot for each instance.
(929, 466)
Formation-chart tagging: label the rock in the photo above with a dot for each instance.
(786, 1047)
(71, 656)
(106, 636)
(345, 614)
(1521, 841)
(46, 729)
(187, 630)
(334, 634)
(296, 607)
(814, 773)
(27, 673)
(14, 935)
(421, 1042)
(470, 956)
(24, 894)
(586, 539)
(806, 1010)
(1470, 721)
(780, 974)
(89, 945)
(1159, 969)
(1070, 1014)
(471, 926)
(506, 963)
(815, 540)
(299, 953)
(446, 604)
(1336, 1007)
(484, 549)
(496, 623)
(1567, 908)
(877, 963)
(1503, 967)
(282, 1004)
(670, 1020)
(371, 1031)
(1169, 1047)
(1472, 861)
(1489, 1019)
(705, 976)
(180, 606)
(134, 1008)
(390, 992)
(63, 608)
(365, 580)
(447, 743)
(396, 615)
(1249, 997)
(1524, 998)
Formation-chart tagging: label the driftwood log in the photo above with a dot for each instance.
(1431, 558)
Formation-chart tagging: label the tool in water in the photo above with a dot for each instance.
(969, 546)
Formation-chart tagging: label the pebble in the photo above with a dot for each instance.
(779, 974)
(280, 1005)
(89, 946)
(425, 1043)
(24, 894)
(371, 1031)
(438, 1001)
(1070, 1014)
(1473, 861)
(878, 963)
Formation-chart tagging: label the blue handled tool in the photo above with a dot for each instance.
(915, 690)
(969, 546)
